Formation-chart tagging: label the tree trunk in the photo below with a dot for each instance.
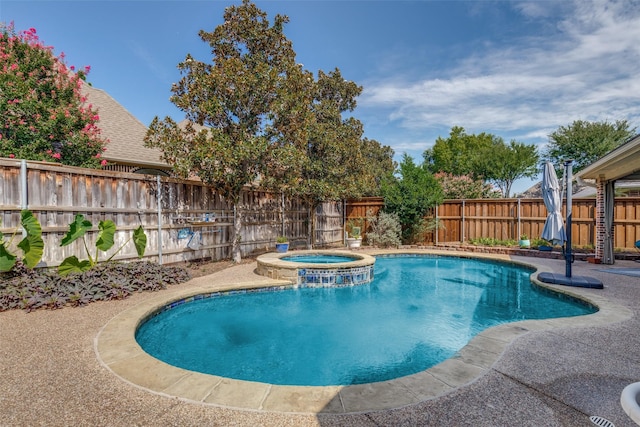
(236, 252)
(311, 227)
(507, 189)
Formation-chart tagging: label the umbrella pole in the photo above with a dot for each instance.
(568, 165)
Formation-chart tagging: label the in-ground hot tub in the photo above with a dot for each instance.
(318, 268)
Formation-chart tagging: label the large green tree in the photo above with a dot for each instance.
(335, 161)
(409, 194)
(483, 156)
(43, 113)
(459, 153)
(585, 142)
(252, 100)
(502, 164)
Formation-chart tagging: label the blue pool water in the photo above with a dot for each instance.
(319, 259)
(418, 311)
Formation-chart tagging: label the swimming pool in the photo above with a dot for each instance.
(419, 311)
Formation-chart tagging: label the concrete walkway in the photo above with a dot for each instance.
(50, 373)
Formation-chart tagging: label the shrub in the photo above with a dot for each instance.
(45, 288)
(490, 241)
(385, 230)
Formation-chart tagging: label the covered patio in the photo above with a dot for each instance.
(623, 163)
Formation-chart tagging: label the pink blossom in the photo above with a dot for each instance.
(73, 67)
(95, 117)
(103, 162)
(87, 68)
(98, 155)
(14, 67)
(12, 156)
(56, 155)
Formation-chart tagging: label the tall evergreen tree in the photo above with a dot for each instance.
(252, 100)
(410, 194)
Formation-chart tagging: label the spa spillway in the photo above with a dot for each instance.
(318, 268)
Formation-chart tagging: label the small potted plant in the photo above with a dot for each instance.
(524, 241)
(282, 244)
(354, 240)
(544, 245)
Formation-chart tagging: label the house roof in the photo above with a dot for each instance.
(620, 163)
(535, 191)
(124, 131)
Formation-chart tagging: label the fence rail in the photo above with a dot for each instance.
(172, 212)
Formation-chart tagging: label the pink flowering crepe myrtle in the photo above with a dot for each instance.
(43, 114)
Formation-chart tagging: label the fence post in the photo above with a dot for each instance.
(24, 201)
(462, 231)
(519, 225)
(344, 221)
(283, 214)
(437, 228)
(159, 203)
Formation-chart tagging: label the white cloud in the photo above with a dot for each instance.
(587, 71)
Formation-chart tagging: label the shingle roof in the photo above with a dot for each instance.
(124, 131)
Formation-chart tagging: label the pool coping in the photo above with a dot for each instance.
(118, 351)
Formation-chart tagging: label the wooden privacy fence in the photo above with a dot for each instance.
(504, 219)
(183, 220)
(508, 219)
(359, 212)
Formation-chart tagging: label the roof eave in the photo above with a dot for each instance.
(619, 163)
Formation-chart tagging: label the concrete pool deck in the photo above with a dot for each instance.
(552, 372)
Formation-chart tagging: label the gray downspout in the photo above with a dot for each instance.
(24, 202)
(159, 203)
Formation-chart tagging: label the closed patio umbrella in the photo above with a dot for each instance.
(553, 230)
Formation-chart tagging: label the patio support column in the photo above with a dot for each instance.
(607, 244)
(600, 222)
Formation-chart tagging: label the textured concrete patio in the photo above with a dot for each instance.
(542, 374)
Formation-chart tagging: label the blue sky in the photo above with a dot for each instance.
(515, 69)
